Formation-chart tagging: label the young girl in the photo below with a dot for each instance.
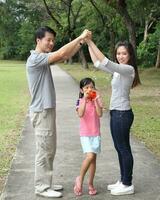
(89, 109)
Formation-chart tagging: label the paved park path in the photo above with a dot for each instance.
(19, 185)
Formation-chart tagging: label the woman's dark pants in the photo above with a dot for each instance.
(120, 124)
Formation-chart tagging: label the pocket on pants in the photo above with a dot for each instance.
(45, 124)
(35, 118)
(45, 144)
(43, 132)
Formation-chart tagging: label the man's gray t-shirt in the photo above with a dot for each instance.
(40, 82)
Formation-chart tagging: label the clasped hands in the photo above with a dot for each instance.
(85, 36)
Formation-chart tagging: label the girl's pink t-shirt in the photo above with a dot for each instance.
(90, 122)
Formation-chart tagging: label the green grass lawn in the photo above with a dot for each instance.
(145, 100)
(14, 98)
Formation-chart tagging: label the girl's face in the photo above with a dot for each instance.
(88, 88)
(122, 55)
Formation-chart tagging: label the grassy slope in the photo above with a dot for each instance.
(145, 101)
(14, 100)
(146, 104)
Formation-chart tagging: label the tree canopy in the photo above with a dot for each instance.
(110, 21)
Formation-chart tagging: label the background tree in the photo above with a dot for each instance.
(67, 21)
(121, 7)
(110, 21)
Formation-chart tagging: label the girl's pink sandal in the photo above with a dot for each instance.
(77, 187)
(92, 190)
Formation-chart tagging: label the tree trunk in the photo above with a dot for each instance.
(122, 9)
(158, 57)
(83, 59)
(112, 44)
(70, 60)
(145, 31)
(148, 24)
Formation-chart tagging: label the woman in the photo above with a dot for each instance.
(125, 77)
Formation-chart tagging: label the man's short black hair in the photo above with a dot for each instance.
(40, 33)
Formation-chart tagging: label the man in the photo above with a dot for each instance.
(43, 103)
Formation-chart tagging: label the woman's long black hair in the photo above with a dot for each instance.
(132, 60)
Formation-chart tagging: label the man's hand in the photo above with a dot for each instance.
(86, 34)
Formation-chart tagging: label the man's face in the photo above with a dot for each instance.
(46, 44)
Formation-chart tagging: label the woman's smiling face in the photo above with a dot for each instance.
(122, 55)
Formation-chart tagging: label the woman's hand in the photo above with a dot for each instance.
(85, 34)
(88, 40)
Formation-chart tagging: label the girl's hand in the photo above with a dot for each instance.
(92, 94)
(86, 95)
(98, 104)
(98, 95)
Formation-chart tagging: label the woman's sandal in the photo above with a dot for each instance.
(77, 187)
(92, 190)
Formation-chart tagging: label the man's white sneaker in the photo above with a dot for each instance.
(113, 186)
(123, 190)
(49, 193)
(57, 187)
